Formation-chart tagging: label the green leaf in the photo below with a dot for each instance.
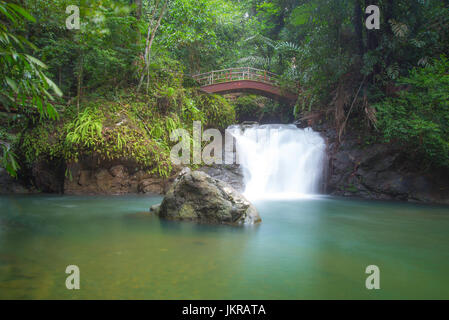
(53, 86)
(22, 11)
(33, 60)
(51, 111)
(7, 14)
(12, 84)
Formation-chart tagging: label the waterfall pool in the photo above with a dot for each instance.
(313, 248)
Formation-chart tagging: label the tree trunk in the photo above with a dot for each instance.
(372, 40)
(358, 26)
(138, 9)
(149, 43)
(79, 83)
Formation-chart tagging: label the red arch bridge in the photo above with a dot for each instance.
(250, 80)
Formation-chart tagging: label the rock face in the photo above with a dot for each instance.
(48, 177)
(196, 196)
(88, 177)
(231, 174)
(9, 185)
(379, 171)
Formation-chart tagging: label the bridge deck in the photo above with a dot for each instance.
(236, 74)
(244, 80)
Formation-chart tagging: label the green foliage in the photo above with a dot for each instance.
(24, 85)
(320, 48)
(218, 112)
(248, 108)
(8, 160)
(44, 141)
(22, 78)
(86, 129)
(276, 56)
(262, 109)
(419, 117)
(135, 128)
(98, 131)
(202, 33)
(102, 54)
(324, 46)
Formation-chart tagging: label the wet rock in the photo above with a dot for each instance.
(196, 196)
(231, 174)
(119, 171)
(151, 185)
(155, 208)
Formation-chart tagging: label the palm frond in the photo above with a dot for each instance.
(400, 29)
(260, 38)
(285, 45)
(255, 61)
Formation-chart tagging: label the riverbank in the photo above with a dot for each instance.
(353, 169)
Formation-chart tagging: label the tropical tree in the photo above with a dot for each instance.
(25, 86)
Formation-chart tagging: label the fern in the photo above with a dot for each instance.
(399, 29)
(287, 46)
(262, 39)
(85, 130)
(256, 61)
(393, 71)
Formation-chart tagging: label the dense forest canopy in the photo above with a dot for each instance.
(64, 91)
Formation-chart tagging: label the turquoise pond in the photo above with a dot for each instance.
(304, 249)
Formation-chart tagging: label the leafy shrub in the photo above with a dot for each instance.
(218, 112)
(419, 117)
(247, 108)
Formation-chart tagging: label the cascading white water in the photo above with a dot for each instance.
(279, 161)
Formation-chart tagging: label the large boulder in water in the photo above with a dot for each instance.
(196, 196)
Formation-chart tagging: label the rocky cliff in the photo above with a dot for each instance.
(379, 171)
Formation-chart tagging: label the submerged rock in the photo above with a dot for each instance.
(196, 196)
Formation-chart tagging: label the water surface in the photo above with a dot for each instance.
(304, 249)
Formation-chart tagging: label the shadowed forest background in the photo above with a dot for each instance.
(117, 87)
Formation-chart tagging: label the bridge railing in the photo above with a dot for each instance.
(236, 74)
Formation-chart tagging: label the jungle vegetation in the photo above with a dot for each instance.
(119, 84)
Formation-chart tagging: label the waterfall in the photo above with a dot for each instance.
(279, 161)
